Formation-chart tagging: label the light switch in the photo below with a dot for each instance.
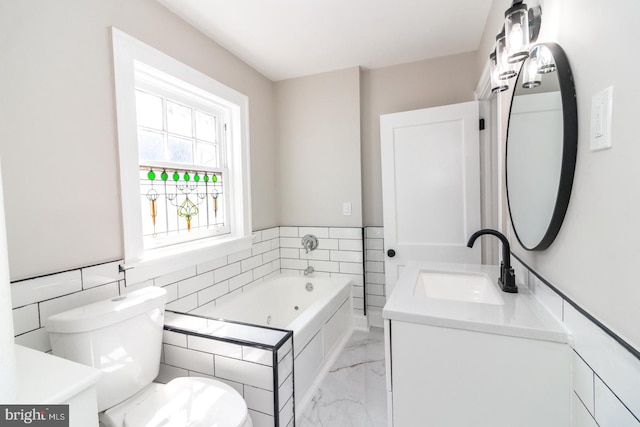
(346, 208)
(601, 117)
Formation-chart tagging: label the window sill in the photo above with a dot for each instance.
(161, 261)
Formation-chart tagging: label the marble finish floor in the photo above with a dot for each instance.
(353, 394)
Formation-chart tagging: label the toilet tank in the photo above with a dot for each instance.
(122, 337)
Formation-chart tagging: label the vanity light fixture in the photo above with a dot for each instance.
(521, 28)
(546, 64)
(497, 84)
(532, 77)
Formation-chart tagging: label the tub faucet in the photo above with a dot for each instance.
(507, 280)
(309, 242)
(309, 270)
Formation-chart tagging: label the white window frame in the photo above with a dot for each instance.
(147, 264)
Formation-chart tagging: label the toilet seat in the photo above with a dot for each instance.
(192, 402)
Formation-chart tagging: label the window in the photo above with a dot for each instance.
(183, 143)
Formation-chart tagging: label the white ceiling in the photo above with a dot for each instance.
(291, 38)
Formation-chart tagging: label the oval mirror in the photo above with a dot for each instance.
(542, 142)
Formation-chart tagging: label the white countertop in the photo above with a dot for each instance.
(44, 378)
(522, 315)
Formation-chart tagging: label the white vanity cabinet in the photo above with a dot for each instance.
(467, 364)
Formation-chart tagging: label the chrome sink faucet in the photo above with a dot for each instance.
(507, 280)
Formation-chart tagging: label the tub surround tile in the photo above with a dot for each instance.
(259, 399)
(241, 280)
(26, 319)
(290, 242)
(54, 306)
(212, 265)
(374, 232)
(285, 391)
(257, 355)
(331, 244)
(188, 359)
(239, 256)
(37, 339)
(213, 346)
(101, 274)
(376, 244)
(345, 233)
(347, 256)
(250, 263)
(271, 233)
(44, 288)
(244, 372)
(209, 294)
(350, 245)
(175, 276)
(270, 255)
(168, 373)
(326, 266)
(174, 338)
(260, 248)
(172, 292)
(195, 284)
(261, 420)
(264, 270)
(288, 232)
(227, 272)
(186, 304)
(287, 412)
(315, 255)
(610, 412)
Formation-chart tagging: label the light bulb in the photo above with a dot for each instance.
(515, 38)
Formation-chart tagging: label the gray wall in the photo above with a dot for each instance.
(594, 258)
(318, 131)
(422, 84)
(58, 140)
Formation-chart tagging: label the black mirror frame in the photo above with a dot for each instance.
(569, 147)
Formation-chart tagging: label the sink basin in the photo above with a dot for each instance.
(465, 287)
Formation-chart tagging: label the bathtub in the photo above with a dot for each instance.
(317, 309)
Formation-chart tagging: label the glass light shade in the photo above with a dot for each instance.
(506, 69)
(532, 77)
(546, 64)
(517, 32)
(497, 84)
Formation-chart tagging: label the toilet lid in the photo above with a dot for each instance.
(190, 402)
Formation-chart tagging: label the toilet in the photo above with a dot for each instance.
(122, 337)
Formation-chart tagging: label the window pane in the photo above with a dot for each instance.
(150, 145)
(179, 119)
(207, 155)
(149, 110)
(180, 150)
(205, 127)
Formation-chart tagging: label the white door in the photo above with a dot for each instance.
(430, 186)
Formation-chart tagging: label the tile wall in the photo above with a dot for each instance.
(339, 253)
(259, 365)
(606, 376)
(374, 274)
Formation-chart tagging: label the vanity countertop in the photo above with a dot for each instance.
(44, 378)
(521, 315)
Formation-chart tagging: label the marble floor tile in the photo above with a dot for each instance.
(353, 393)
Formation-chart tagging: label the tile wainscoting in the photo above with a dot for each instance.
(605, 375)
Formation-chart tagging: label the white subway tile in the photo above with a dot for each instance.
(43, 288)
(253, 374)
(288, 232)
(581, 417)
(78, 299)
(319, 232)
(275, 243)
(351, 267)
(285, 367)
(239, 256)
(374, 244)
(226, 272)
(327, 266)
(345, 233)
(188, 359)
(284, 349)
(126, 289)
(357, 279)
(271, 255)
(375, 278)
(186, 304)
(263, 270)
(101, 274)
(347, 256)
(285, 391)
(240, 280)
(617, 367)
(172, 292)
(374, 232)
(257, 355)
(376, 301)
(256, 237)
(583, 381)
(374, 266)
(174, 277)
(195, 284)
(203, 309)
(251, 263)
(358, 303)
(211, 265)
(548, 298)
(296, 264)
(290, 242)
(610, 412)
(318, 254)
(228, 296)
(350, 245)
(215, 346)
(258, 399)
(174, 338)
(373, 255)
(212, 292)
(37, 340)
(286, 413)
(260, 248)
(275, 265)
(373, 289)
(331, 244)
(270, 233)
(289, 253)
(261, 420)
(26, 319)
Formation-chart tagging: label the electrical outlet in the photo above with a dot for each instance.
(601, 117)
(346, 208)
